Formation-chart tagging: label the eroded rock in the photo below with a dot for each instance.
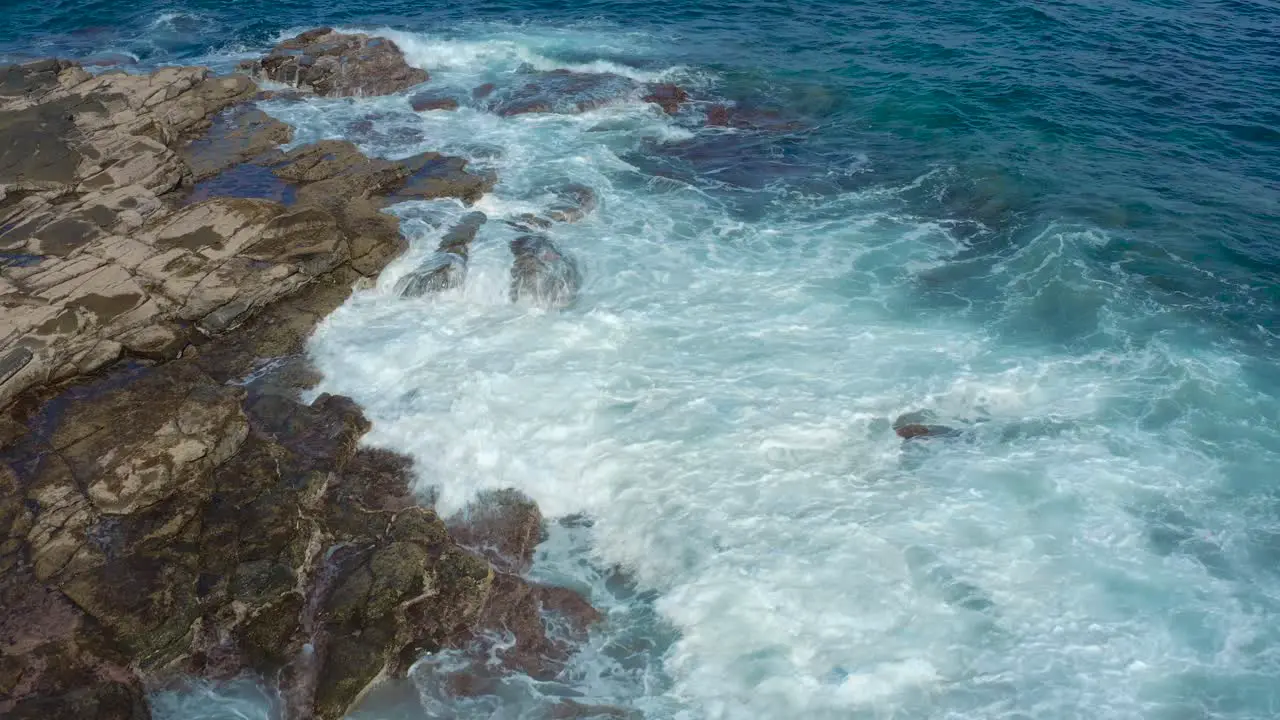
(334, 64)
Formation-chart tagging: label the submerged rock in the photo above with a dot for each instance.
(749, 118)
(334, 64)
(574, 201)
(913, 425)
(667, 96)
(435, 176)
(446, 269)
(559, 91)
(426, 102)
(542, 274)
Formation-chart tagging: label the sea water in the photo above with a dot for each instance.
(1054, 227)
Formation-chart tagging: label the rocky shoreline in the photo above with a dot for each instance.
(169, 506)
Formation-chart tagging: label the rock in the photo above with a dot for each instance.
(97, 259)
(436, 176)
(517, 607)
(483, 91)
(502, 526)
(236, 136)
(560, 91)
(747, 118)
(446, 269)
(333, 64)
(529, 223)
(83, 163)
(667, 96)
(425, 102)
(915, 425)
(55, 664)
(542, 274)
(573, 202)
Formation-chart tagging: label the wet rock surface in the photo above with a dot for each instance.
(426, 102)
(667, 96)
(177, 510)
(446, 269)
(333, 64)
(543, 274)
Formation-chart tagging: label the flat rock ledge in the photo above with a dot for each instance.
(168, 506)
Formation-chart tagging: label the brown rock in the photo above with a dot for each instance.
(667, 96)
(425, 102)
(502, 526)
(332, 64)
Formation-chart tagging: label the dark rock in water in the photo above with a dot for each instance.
(909, 426)
(483, 91)
(912, 431)
(503, 526)
(436, 176)
(574, 202)
(386, 128)
(744, 118)
(425, 102)
(333, 64)
(518, 607)
(542, 274)
(528, 222)
(446, 269)
(667, 96)
(53, 662)
(561, 91)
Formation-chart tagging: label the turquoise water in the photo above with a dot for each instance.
(1054, 225)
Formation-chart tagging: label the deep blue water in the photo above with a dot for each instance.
(1060, 218)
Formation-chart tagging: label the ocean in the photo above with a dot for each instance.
(1053, 226)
